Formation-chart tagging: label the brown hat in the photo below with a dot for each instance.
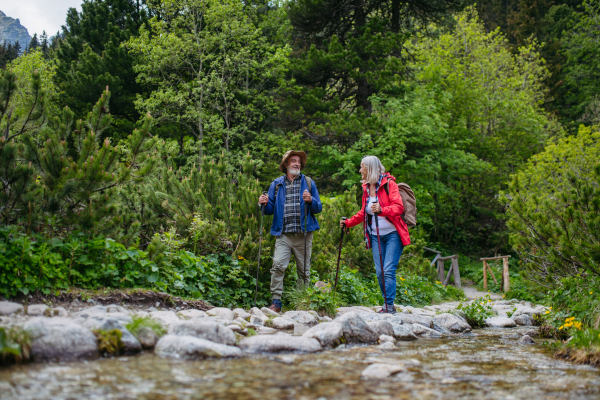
(288, 154)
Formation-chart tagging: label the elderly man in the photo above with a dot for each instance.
(293, 199)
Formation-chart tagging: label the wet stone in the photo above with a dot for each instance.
(241, 313)
(382, 327)
(382, 371)
(269, 313)
(147, 337)
(523, 319)
(386, 338)
(189, 347)
(420, 330)
(387, 345)
(221, 312)
(166, 317)
(301, 317)
(500, 322)
(451, 323)
(355, 329)
(279, 343)
(404, 332)
(423, 320)
(526, 339)
(282, 323)
(36, 309)
(8, 308)
(204, 328)
(329, 334)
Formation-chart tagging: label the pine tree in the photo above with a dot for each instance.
(89, 57)
(33, 44)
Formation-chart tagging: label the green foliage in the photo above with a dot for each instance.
(109, 342)
(137, 323)
(15, 345)
(418, 291)
(322, 300)
(477, 311)
(553, 214)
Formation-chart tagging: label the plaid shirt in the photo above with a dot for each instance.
(291, 210)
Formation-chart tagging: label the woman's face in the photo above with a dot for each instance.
(363, 171)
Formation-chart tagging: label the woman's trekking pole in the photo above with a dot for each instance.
(305, 233)
(262, 216)
(381, 260)
(337, 271)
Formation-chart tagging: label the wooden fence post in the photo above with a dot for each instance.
(505, 279)
(456, 272)
(440, 269)
(485, 267)
(505, 276)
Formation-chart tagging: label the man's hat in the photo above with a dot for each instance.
(288, 154)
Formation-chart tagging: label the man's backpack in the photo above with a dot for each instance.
(409, 216)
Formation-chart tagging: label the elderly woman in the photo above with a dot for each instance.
(381, 199)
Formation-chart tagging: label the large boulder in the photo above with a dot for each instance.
(204, 328)
(423, 331)
(279, 343)
(403, 332)
(523, 319)
(355, 329)
(8, 308)
(301, 317)
(165, 317)
(329, 334)
(282, 323)
(130, 343)
(451, 322)
(424, 320)
(500, 322)
(60, 339)
(189, 347)
(222, 313)
(382, 327)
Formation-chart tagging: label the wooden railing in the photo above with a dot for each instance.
(505, 284)
(454, 270)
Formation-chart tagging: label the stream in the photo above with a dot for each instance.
(485, 364)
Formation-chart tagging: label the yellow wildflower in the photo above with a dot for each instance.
(405, 292)
(562, 326)
(591, 292)
(547, 312)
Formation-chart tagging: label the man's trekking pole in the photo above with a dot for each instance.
(337, 271)
(262, 216)
(380, 260)
(305, 233)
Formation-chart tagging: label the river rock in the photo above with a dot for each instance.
(222, 313)
(279, 343)
(256, 320)
(265, 330)
(382, 327)
(329, 334)
(258, 312)
(192, 313)
(404, 332)
(147, 337)
(204, 329)
(526, 339)
(241, 313)
(500, 322)
(36, 309)
(532, 333)
(301, 317)
(523, 319)
(424, 320)
(440, 329)
(451, 323)
(269, 313)
(130, 342)
(8, 308)
(387, 345)
(386, 338)
(190, 348)
(56, 312)
(382, 371)
(282, 323)
(60, 339)
(235, 328)
(526, 310)
(356, 309)
(421, 330)
(166, 317)
(355, 329)
(114, 308)
(325, 318)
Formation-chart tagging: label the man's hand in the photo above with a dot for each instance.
(307, 197)
(263, 199)
(376, 208)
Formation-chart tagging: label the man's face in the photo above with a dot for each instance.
(293, 165)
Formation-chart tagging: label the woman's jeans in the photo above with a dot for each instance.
(391, 249)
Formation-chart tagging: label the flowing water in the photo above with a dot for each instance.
(486, 364)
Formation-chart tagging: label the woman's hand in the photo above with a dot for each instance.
(342, 224)
(376, 208)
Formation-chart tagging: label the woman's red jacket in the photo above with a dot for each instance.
(391, 208)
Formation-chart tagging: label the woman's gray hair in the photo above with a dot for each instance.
(374, 169)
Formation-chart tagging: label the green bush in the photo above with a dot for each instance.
(15, 345)
(477, 311)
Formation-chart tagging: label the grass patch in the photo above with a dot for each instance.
(322, 300)
(477, 311)
(583, 348)
(109, 342)
(15, 345)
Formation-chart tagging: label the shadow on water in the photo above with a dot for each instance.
(487, 364)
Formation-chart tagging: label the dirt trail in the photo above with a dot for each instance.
(471, 292)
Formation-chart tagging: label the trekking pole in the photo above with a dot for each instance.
(305, 233)
(380, 259)
(337, 271)
(262, 216)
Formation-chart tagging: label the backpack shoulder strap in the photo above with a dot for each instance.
(386, 187)
(308, 183)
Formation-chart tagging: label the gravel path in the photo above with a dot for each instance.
(471, 292)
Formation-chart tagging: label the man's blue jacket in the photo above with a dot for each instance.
(277, 208)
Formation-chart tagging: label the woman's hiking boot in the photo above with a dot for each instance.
(390, 310)
(276, 306)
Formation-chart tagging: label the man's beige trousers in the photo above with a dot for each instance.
(286, 245)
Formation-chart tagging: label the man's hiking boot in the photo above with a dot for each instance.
(276, 306)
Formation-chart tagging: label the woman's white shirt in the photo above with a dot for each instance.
(385, 226)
